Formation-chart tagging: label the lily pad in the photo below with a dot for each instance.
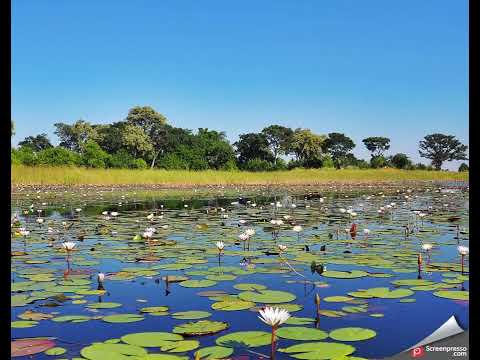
(301, 333)
(191, 315)
(267, 296)
(248, 287)
(244, 339)
(104, 305)
(24, 347)
(197, 283)
(454, 295)
(100, 351)
(150, 339)
(232, 305)
(214, 352)
(123, 318)
(337, 298)
(352, 334)
(202, 327)
(56, 351)
(180, 346)
(318, 350)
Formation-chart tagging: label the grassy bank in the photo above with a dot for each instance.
(22, 175)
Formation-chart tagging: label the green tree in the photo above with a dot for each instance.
(279, 139)
(440, 148)
(136, 141)
(167, 140)
(377, 145)
(93, 155)
(463, 167)
(339, 147)
(146, 118)
(36, 143)
(73, 137)
(24, 155)
(109, 136)
(307, 147)
(253, 146)
(401, 161)
(215, 148)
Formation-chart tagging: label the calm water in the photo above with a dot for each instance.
(186, 235)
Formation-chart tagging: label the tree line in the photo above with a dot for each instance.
(145, 139)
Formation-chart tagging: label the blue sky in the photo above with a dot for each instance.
(366, 68)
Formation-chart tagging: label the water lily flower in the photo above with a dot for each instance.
(353, 214)
(24, 232)
(366, 231)
(293, 206)
(243, 237)
(150, 217)
(273, 317)
(220, 245)
(297, 228)
(250, 232)
(322, 200)
(427, 247)
(68, 245)
(241, 222)
(164, 227)
(185, 206)
(114, 213)
(281, 247)
(100, 277)
(104, 212)
(40, 221)
(78, 209)
(342, 210)
(286, 217)
(463, 250)
(148, 234)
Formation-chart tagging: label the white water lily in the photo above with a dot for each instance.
(274, 316)
(297, 228)
(78, 209)
(164, 227)
(427, 247)
(24, 232)
(281, 247)
(286, 217)
(40, 220)
(366, 231)
(322, 200)
(293, 206)
(250, 232)
(150, 217)
(353, 214)
(104, 212)
(114, 213)
(342, 210)
(241, 222)
(463, 250)
(100, 277)
(148, 234)
(220, 245)
(69, 245)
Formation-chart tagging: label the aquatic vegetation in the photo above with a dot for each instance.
(177, 279)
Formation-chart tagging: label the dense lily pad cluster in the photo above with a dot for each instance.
(173, 295)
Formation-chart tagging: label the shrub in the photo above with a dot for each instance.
(24, 155)
(401, 161)
(258, 165)
(377, 162)
(58, 156)
(139, 164)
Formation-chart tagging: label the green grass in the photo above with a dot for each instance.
(23, 175)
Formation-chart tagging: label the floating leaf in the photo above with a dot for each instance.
(214, 352)
(23, 324)
(248, 286)
(123, 318)
(301, 333)
(337, 298)
(244, 339)
(180, 346)
(56, 351)
(202, 327)
(24, 347)
(232, 305)
(150, 339)
(191, 315)
(104, 305)
(267, 296)
(197, 283)
(319, 350)
(352, 334)
(454, 295)
(100, 351)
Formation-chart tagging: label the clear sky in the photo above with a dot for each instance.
(366, 68)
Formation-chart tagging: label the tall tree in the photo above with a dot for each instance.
(253, 146)
(377, 145)
(339, 147)
(73, 137)
(307, 146)
(400, 161)
(279, 139)
(215, 148)
(146, 118)
(36, 143)
(440, 148)
(136, 141)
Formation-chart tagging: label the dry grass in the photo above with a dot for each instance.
(22, 175)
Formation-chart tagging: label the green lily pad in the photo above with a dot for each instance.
(267, 296)
(56, 351)
(100, 351)
(180, 346)
(318, 350)
(337, 298)
(454, 295)
(150, 339)
(71, 318)
(197, 283)
(191, 315)
(232, 305)
(244, 339)
(23, 324)
(214, 352)
(352, 334)
(202, 327)
(248, 287)
(123, 318)
(344, 274)
(413, 282)
(383, 293)
(104, 305)
(293, 320)
(301, 333)
(154, 309)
